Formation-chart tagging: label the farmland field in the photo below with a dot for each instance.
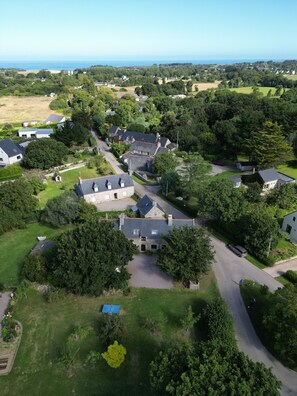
(14, 109)
(249, 90)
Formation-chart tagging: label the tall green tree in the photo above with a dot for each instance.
(61, 210)
(86, 259)
(187, 255)
(44, 153)
(210, 368)
(194, 174)
(164, 163)
(268, 146)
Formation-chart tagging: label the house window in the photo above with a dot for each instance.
(1, 159)
(107, 196)
(18, 157)
(294, 218)
(154, 247)
(154, 232)
(135, 232)
(143, 238)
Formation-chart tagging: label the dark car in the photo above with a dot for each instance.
(237, 249)
(220, 163)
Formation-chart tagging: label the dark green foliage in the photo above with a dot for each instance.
(8, 331)
(61, 210)
(119, 148)
(219, 323)
(44, 153)
(164, 163)
(17, 205)
(260, 231)
(37, 185)
(7, 127)
(284, 197)
(189, 320)
(291, 276)
(268, 146)
(280, 321)
(210, 368)
(72, 134)
(86, 259)
(86, 212)
(111, 329)
(194, 174)
(221, 200)
(253, 192)
(10, 172)
(187, 255)
(170, 182)
(34, 268)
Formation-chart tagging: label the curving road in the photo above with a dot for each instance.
(229, 269)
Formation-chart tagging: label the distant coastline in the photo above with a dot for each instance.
(81, 64)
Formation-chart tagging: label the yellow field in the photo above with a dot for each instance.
(24, 108)
(205, 86)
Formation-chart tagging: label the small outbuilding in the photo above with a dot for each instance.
(57, 178)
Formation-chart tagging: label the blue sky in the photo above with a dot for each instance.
(163, 29)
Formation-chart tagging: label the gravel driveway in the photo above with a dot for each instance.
(145, 273)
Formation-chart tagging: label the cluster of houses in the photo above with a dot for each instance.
(143, 147)
(149, 228)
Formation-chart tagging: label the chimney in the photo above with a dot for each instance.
(121, 220)
(154, 203)
(169, 219)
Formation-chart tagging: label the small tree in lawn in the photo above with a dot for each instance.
(115, 355)
(189, 320)
(187, 254)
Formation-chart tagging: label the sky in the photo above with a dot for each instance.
(149, 29)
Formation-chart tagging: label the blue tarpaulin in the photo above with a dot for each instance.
(111, 309)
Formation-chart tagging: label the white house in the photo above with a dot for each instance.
(54, 119)
(107, 188)
(10, 153)
(290, 225)
(272, 179)
(29, 133)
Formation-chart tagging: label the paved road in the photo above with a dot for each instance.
(229, 269)
(280, 269)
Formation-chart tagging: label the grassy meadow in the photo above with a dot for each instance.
(46, 326)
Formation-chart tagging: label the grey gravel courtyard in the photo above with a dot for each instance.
(145, 273)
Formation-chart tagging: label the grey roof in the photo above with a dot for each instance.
(10, 148)
(268, 175)
(141, 137)
(235, 179)
(85, 187)
(54, 118)
(145, 204)
(41, 131)
(134, 228)
(148, 148)
(138, 162)
(113, 130)
(43, 246)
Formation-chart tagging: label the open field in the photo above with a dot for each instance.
(24, 108)
(291, 77)
(289, 169)
(14, 246)
(205, 86)
(69, 179)
(46, 326)
(249, 90)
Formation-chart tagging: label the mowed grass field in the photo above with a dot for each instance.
(15, 245)
(249, 90)
(37, 370)
(14, 109)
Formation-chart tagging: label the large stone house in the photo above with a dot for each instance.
(148, 234)
(10, 153)
(106, 188)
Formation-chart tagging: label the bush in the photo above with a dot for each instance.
(291, 276)
(61, 210)
(10, 172)
(37, 185)
(34, 268)
(54, 294)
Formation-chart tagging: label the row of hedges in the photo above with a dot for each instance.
(291, 276)
(10, 172)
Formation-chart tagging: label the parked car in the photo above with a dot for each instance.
(237, 249)
(220, 163)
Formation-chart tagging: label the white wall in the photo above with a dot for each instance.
(101, 197)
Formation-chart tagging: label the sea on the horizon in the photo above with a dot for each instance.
(80, 64)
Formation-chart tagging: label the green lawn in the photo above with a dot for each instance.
(289, 169)
(249, 90)
(227, 174)
(14, 246)
(46, 326)
(69, 179)
(291, 77)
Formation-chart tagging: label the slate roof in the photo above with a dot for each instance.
(113, 130)
(54, 118)
(140, 137)
(146, 226)
(41, 131)
(145, 204)
(137, 162)
(85, 187)
(10, 148)
(147, 148)
(269, 175)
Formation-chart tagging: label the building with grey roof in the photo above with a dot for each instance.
(271, 179)
(148, 208)
(54, 119)
(148, 234)
(107, 188)
(10, 153)
(30, 133)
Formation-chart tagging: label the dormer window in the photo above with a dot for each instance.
(108, 185)
(122, 184)
(95, 187)
(154, 232)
